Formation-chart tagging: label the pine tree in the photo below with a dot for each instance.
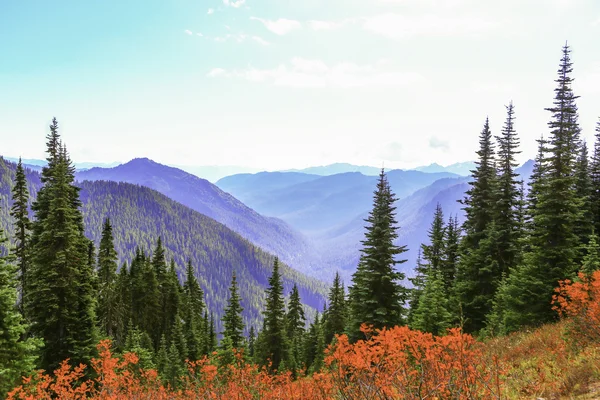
(232, 319)
(20, 214)
(193, 307)
(477, 274)
(174, 368)
(295, 321)
(553, 242)
(162, 357)
(178, 338)
(60, 300)
(17, 355)
(134, 343)
(595, 181)
(336, 314)
(509, 231)
(583, 192)
(123, 290)
(145, 298)
(376, 296)
(170, 298)
(591, 260)
(314, 346)
(433, 253)
(451, 256)
(432, 313)
(418, 282)
(251, 343)
(109, 308)
(275, 343)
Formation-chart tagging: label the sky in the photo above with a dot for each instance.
(278, 84)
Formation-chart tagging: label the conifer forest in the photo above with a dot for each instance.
(111, 290)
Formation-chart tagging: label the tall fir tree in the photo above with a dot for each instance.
(336, 314)
(418, 283)
(109, 305)
(432, 313)
(60, 300)
(17, 353)
(193, 308)
(509, 229)
(171, 298)
(591, 260)
(595, 181)
(377, 296)
(452, 252)
(275, 343)
(232, 319)
(477, 273)
(433, 254)
(553, 244)
(295, 321)
(583, 192)
(22, 224)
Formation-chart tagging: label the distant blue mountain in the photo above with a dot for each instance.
(338, 168)
(213, 173)
(271, 234)
(37, 165)
(462, 168)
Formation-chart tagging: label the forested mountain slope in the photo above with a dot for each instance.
(271, 234)
(140, 215)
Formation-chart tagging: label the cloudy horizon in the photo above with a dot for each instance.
(277, 85)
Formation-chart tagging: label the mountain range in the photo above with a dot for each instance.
(140, 215)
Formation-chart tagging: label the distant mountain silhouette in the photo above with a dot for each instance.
(271, 234)
(338, 168)
(462, 168)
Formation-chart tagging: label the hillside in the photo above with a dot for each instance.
(139, 215)
(271, 234)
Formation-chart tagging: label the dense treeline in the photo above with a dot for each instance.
(140, 215)
(495, 274)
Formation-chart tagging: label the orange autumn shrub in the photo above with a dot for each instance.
(403, 363)
(579, 301)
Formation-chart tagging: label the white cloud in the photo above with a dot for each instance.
(328, 25)
(234, 3)
(397, 26)
(199, 34)
(596, 22)
(210, 11)
(281, 26)
(316, 74)
(241, 37)
(260, 40)
(187, 31)
(437, 143)
(216, 72)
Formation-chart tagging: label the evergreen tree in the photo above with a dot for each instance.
(595, 181)
(434, 252)
(146, 297)
(232, 319)
(60, 300)
(335, 321)
(477, 274)
(509, 231)
(376, 296)
(553, 241)
(451, 256)
(295, 321)
(314, 346)
(174, 368)
(583, 192)
(211, 336)
(123, 290)
(134, 343)
(193, 307)
(274, 333)
(418, 282)
(591, 261)
(109, 308)
(162, 357)
(251, 342)
(17, 355)
(170, 298)
(178, 338)
(20, 214)
(432, 313)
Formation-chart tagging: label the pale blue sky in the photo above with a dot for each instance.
(287, 84)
